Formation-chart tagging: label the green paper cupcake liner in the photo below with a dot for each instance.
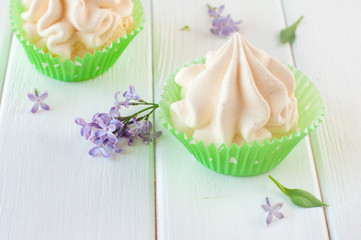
(248, 160)
(82, 68)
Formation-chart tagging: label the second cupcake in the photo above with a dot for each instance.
(73, 40)
(240, 111)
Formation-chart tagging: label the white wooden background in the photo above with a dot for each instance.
(51, 189)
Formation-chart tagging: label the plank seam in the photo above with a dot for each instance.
(5, 69)
(309, 143)
(154, 119)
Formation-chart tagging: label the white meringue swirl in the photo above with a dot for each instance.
(241, 94)
(55, 25)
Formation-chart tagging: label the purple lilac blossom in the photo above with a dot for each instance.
(131, 95)
(146, 133)
(114, 111)
(108, 129)
(134, 132)
(272, 211)
(222, 26)
(38, 101)
(99, 148)
(86, 129)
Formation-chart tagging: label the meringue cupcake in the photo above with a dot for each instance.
(74, 40)
(251, 112)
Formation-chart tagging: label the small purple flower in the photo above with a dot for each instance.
(138, 126)
(86, 129)
(102, 116)
(222, 26)
(117, 102)
(132, 133)
(114, 146)
(99, 148)
(107, 130)
(114, 111)
(38, 101)
(131, 95)
(212, 11)
(146, 133)
(272, 211)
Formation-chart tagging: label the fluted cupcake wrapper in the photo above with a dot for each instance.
(82, 68)
(248, 160)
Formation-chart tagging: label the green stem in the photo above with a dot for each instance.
(141, 103)
(150, 113)
(282, 188)
(128, 118)
(147, 103)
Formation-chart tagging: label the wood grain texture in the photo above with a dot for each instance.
(49, 187)
(5, 42)
(328, 50)
(192, 201)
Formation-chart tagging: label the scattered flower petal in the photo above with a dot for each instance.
(43, 96)
(38, 101)
(35, 108)
(44, 106)
(272, 211)
(32, 97)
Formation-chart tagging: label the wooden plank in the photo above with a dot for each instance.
(192, 201)
(49, 187)
(5, 42)
(328, 50)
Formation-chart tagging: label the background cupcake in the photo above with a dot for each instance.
(240, 111)
(71, 40)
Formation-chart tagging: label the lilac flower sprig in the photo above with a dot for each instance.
(106, 130)
(38, 101)
(222, 26)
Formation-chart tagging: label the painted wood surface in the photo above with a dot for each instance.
(328, 49)
(49, 187)
(192, 201)
(5, 42)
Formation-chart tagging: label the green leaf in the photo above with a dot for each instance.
(185, 28)
(209, 6)
(289, 34)
(299, 197)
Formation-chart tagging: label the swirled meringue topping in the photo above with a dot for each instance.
(241, 94)
(56, 25)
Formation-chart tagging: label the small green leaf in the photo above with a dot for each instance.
(299, 197)
(209, 6)
(185, 28)
(289, 34)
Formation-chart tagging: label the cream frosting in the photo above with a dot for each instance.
(55, 25)
(241, 94)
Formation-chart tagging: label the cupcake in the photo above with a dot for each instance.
(238, 110)
(74, 40)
